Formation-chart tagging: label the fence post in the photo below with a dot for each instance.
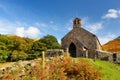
(43, 59)
(67, 52)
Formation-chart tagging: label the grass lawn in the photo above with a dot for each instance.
(110, 71)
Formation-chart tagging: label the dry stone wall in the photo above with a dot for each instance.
(108, 56)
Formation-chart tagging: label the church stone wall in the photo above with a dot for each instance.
(87, 39)
(81, 38)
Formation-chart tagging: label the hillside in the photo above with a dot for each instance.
(13, 35)
(14, 48)
(113, 45)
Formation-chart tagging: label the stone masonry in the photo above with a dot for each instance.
(80, 42)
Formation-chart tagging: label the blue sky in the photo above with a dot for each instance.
(37, 18)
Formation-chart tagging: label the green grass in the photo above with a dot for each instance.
(110, 71)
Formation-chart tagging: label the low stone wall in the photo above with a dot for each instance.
(53, 52)
(103, 55)
(108, 56)
(118, 58)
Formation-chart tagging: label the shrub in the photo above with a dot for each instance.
(56, 69)
(4, 54)
(18, 55)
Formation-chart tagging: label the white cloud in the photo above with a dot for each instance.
(33, 31)
(7, 27)
(55, 27)
(59, 41)
(112, 13)
(92, 27)
(30, 32)
(20, 31)
(69, 28)
(69, 24)
(40, 24)
(106, 38)
(95, 28)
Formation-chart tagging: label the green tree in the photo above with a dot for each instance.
(4, 55)
(50, 41)
(22, 44)
(13, 48)
(36, 50)
(39, 46)
(18, 55)
(5, 47)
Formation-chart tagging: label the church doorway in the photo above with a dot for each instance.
(72, 50)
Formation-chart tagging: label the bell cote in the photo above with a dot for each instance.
(77, 23)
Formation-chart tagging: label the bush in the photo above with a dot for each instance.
(56, 69)
(18, 55)
(4, 54)
(14, 48)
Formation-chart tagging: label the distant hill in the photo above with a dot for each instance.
(113, 45)
(119, 37)
(35, 39)
(9, 35)
(12, 35)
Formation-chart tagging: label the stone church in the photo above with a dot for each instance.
(80, 42)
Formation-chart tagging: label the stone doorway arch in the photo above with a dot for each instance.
(72, 50)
